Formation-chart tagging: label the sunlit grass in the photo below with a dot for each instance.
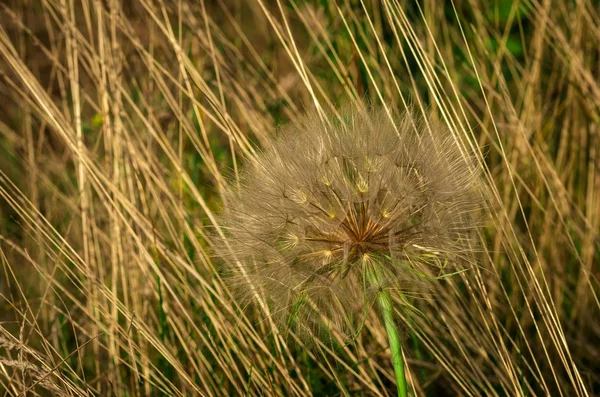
(121, 127)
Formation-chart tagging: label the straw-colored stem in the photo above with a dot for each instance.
(387, 310)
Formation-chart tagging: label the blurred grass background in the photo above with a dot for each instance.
(121, 123)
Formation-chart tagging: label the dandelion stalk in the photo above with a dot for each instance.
(387, 310)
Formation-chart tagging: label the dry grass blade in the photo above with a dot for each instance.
(123, 124)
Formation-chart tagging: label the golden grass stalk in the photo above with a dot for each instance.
(119, 119)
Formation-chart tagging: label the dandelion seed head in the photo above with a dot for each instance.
(330, 198)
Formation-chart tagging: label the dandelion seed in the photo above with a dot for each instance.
(362, 185)
(371, 207)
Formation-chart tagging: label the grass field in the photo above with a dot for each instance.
(122, 124)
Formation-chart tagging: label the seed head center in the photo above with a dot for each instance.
(363, 234)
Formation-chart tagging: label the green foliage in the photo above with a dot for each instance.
(110, 279)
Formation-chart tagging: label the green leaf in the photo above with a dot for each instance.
(97, 120)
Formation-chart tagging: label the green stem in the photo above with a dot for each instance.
(385, 302)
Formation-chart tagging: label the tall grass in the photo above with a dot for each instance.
(122, 123)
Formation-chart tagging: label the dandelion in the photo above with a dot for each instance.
(341, 213)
